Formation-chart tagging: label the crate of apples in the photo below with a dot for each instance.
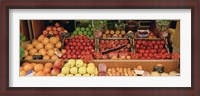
(151, 49)
(79, 47)
(112, 33)
(106, 44)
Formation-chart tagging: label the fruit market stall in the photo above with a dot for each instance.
(99, 48)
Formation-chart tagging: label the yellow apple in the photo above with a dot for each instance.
(91, 65)
(90, 70)
(77, 75)
(65, 70)
(82, 70)
(61, 74)
(74, 70)
(79, 63)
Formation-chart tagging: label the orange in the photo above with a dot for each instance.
(41, 37)
(28, 58)
(40, 73)
(28, 67)
(50, 52)
(53, 40)
(25, 63)
(45, 41)
(49, 46)
(46, 57)
(50, 65)
(33, 64)
(29, 47)
(33, 51)
(48, 74)
(57, 24)
(58, 45)
(35, 42)
(49, 28)
(21, 68)
(22, 73)
(47, 69)
(38, 67)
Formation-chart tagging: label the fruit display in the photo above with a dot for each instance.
(79, 47)
(120, 72)
(53, 30)
(149, 35)
(80, 52)
(151, 49)
(115, 34)
(137, 71)
(106, 44)
(87, 31)
(43, 47)
(78, 68)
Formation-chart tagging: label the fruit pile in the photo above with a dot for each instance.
(42, 46)
(151, 35)
(36, 69)
(78, 68)
(120, 72)
(87, 31)
(54, 30)
(108, 44)
(175, 56)
(151, 49)
(79, 47)
(112, 33)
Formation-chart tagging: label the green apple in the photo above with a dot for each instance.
(74, 70)
(87, 29)
(78, 28)
(75, 32)
(82, 28)
(80, 32)
(65, 70)
(79, 63)
(85, 33)
(82, 70)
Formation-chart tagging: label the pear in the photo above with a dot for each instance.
(61, 74)
(65, 70)
(69, 75)
(74, 70)
(90, 70)
(71, 62)
(86, 74)
(79, 63)
(77, 75)
(91, 65)
(82, 70)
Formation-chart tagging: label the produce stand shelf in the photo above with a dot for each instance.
(169, 65)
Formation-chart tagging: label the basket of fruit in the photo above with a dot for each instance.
(143, 33)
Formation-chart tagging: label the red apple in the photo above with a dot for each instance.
(139, 42)
(161, 46)
(102, 41)
(156, 46)
(162, 42)
(137, 46)
(158, 42)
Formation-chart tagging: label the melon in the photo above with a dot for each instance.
(58, 45)
(25, 52)
(41, 37)
(39, 46)
(35, 42)
(29, 47)
(54, 57)
(53, 40)
(42, 51)
(49, 46)
(33, 51)
(46, 57)
(50, 52)
(45, 41)
(28, 58)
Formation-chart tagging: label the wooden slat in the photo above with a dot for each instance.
(38, 27)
